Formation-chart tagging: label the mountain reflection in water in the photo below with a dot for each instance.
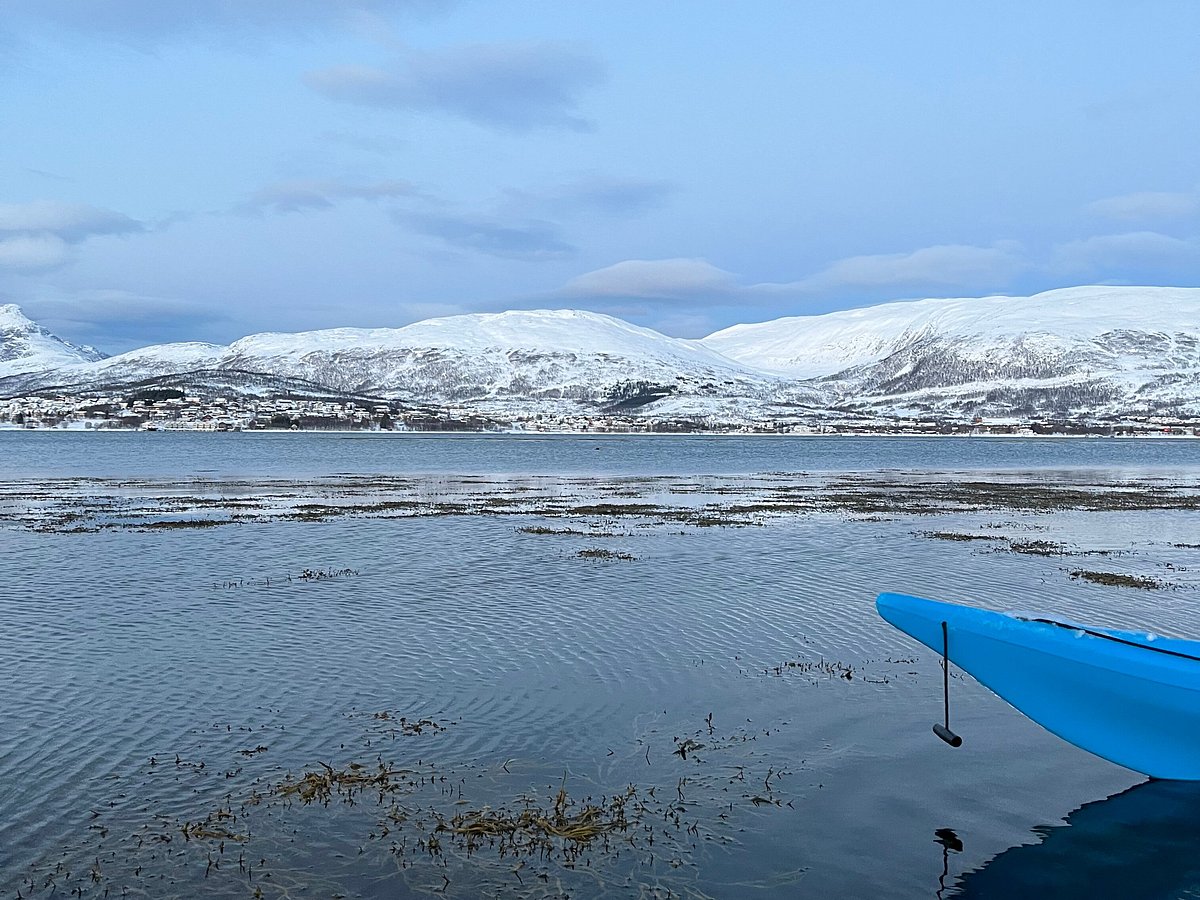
(1143, 842)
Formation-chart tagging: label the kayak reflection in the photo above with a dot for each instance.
(1143, 842)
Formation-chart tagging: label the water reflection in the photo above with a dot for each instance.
(951, 843)
(1143, 842)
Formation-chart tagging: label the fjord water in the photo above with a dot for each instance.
(131, 658)
(117, 453)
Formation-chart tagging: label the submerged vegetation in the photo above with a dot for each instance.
(433, 825)
(93, 504)
(1117, 579)
(1059, 549)
(601, 553)
(599, 507)
(386, 801)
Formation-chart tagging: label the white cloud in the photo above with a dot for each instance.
(944, 265)
(1148, 206)
(516, 86)
(37, 236)
(593, 194)
(295, 196)
(70, 221)
(652, 278)
(1128, 253)
(527, 239)
(119, 320)
(104, 305)
(699, 282)
(32, 253)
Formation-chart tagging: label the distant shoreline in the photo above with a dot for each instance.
(401, 433)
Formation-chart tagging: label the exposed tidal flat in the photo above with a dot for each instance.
(289, 665)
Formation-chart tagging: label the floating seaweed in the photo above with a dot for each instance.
(1116, 579)
(420, 815)
(533, 827)
(390, 724)
(321, 785)
(601, 553)
(181, 523)
(326, 574)
(545, 529)
(85, 505)
(830, 669)
(1039, 548)
(305, 575)
(956, 536)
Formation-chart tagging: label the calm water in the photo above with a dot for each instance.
(45, 454)
(132, 658)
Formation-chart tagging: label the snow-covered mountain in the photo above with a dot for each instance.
(540, 353)
(498, 358)
(1076, 351)
(1086, 352)
(26, 346)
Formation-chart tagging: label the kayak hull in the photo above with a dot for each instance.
(1130, 698)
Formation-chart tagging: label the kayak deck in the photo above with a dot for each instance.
(1181, 647)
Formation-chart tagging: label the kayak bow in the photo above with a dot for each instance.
(1132, 698)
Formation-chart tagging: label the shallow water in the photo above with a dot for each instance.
(133, 657)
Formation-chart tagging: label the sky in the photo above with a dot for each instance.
(216, 168)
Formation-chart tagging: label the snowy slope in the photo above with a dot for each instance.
(26, 346)
(813, 346)
(1087, 351)
(551, 331)
(541, 354)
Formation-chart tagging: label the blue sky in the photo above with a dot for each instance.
(217, 168)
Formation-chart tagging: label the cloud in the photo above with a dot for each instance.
(1148, 206)
(70, 221)
(699, 282)
(298, 196)
(656, 279)
(1127, 254)
(141, 19)
(530, 240)
(514, 87)
(36, 237)
(119, 320)
(33, 253)
(594, 194)
(526, 224)
(944, 265)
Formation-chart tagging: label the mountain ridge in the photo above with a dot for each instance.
(1084, 351)
(26, 346)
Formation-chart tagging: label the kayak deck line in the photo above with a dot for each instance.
(1112, 637)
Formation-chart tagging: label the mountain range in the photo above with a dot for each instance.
(1086, 352)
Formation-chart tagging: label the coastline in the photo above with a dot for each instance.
(78, 428)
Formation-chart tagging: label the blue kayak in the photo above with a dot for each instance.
(1130, 697)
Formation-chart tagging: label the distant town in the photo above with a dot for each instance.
(173, 410)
